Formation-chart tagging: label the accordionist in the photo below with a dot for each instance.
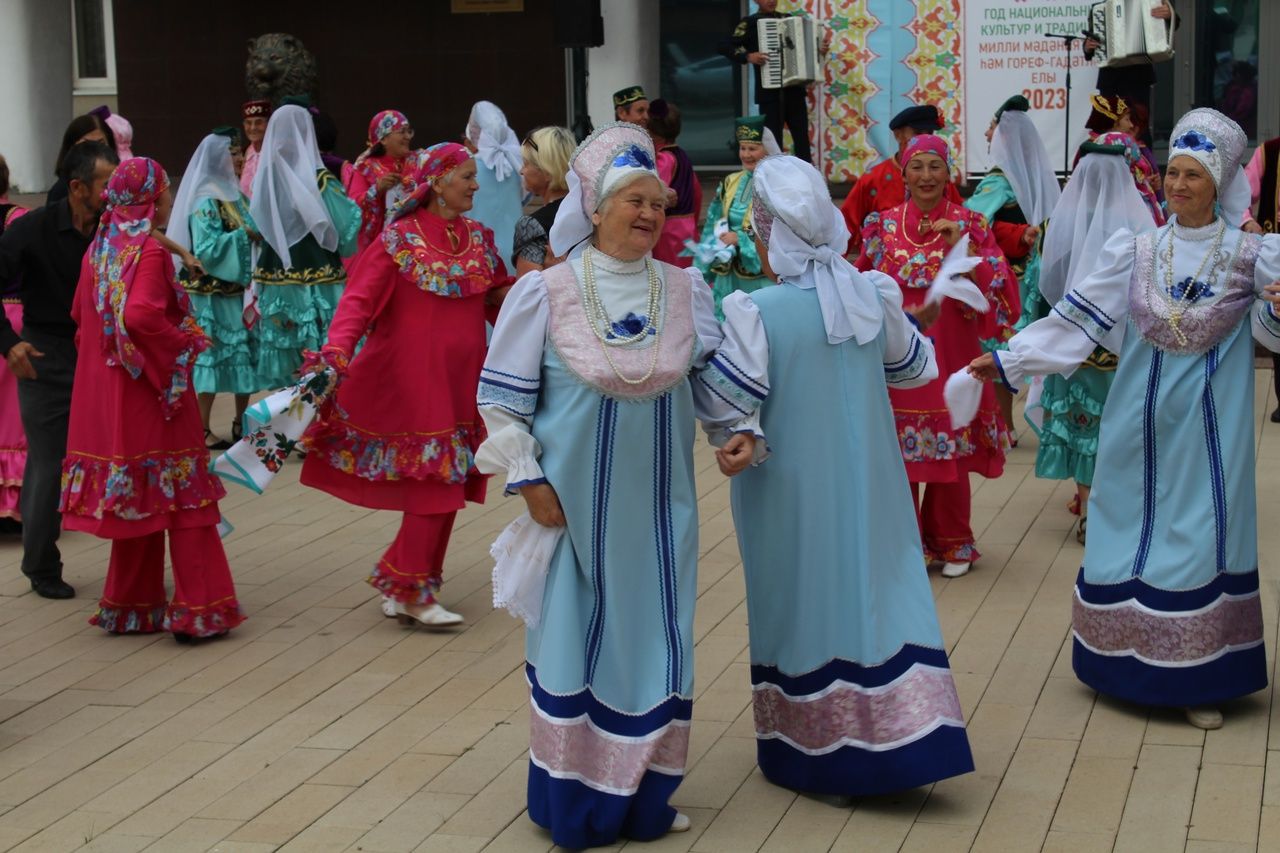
(1133, 82)
(786, 105)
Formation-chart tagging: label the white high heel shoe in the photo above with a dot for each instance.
(434, 616)
(388, 607)
(680, 824)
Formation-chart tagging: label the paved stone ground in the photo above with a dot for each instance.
(322, 726)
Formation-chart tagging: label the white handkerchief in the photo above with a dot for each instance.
(522, 554)
(949, 282)
(963, 394)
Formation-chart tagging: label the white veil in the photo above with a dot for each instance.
(1019, 152)
(496, 143)
(807, 242)
(210, 174)
(286, 203)
(1100, 200)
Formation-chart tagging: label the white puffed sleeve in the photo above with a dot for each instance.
(732, 385)
(510, 382)
(909, 361)
(705, 324)
(1264, 319)
(1092, 314)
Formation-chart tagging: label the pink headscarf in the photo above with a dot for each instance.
(122, 130)
(423, 170)
(371, 168)
(926, 143)
(125, 227)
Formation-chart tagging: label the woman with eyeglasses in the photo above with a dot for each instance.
(546, 152)
(377, 170)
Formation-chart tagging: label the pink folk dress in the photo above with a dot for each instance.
(136, 465)
(13, 441)
(404, 427)
(676, 171)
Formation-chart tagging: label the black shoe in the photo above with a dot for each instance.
(192, 639)
(237, 429)
(1275, 416)
(52, 588)
(10, 527)
(216, 443)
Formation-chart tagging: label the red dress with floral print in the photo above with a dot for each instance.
(891, 243)
(136, 461)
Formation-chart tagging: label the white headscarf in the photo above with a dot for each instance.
(286, 203)
(770, 143)
(1100, 200)
(496, 143)
(210, 174)
(807, 240)
(1019, 152)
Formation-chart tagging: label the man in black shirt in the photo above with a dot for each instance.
(786, 105)
(45, 248)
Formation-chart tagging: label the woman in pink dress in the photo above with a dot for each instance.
(909, 242)
(684, 193)
(136, 465)
(377, 170)
(13, 441)
(403, 428)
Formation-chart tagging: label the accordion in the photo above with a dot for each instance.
(793, 45)
(1128, 33)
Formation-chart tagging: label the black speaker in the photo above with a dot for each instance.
(576, 23)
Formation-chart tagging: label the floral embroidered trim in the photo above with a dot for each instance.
(615, 764)
(137, 488)
(844, 714)
(1084, 315)
(121, 619)
(1229, 623)
(929, 438)
(205, 620)
(447, 456)
(180, 375)
(418, 588)
(468, 273)
(733, 386)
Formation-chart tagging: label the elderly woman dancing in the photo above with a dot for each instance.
(851, 688)
(1166, 608)
(589, 405)
(404, 428)
(136, 465)
(909, 243)
(377, 170)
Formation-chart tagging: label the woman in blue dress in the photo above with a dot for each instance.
(851, 688)
(500, 200)
(1166, 608)
(590, 413)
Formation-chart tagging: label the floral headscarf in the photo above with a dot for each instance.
(131, 196)
(422, 171)
(926, 143)
(373, 205)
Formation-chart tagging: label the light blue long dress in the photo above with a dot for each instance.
(610, 667)
(496, 205)
(851, 687)
(1166, 608)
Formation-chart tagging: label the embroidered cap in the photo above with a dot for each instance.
(629, 95)
(1107, 110)
(256, 109)
(921, 119)
(1017, 104)
(749, 129)
(1213, 139)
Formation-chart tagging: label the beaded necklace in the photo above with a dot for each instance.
(598, 318)
(1176, 306)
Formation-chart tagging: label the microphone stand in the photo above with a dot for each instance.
(1067, 40)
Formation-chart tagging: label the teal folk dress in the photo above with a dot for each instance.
(851, 689)
(220, 241)
(743, 270)
(610, 666)
(1166, 608)
(296, 303)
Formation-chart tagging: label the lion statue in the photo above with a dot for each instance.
(279, 65)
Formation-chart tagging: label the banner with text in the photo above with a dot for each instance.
(1008, 51)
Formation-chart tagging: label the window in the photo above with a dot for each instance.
(93, 47)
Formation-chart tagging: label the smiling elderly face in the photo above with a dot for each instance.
(630, 221)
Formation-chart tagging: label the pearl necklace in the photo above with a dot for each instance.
(598, 318)
(1176, 307)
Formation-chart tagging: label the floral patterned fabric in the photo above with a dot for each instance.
(368, 169)
(138, 488)
(423, 249)
(891, 243)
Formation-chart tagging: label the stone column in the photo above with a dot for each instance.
(35, 100)
(629, 56)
